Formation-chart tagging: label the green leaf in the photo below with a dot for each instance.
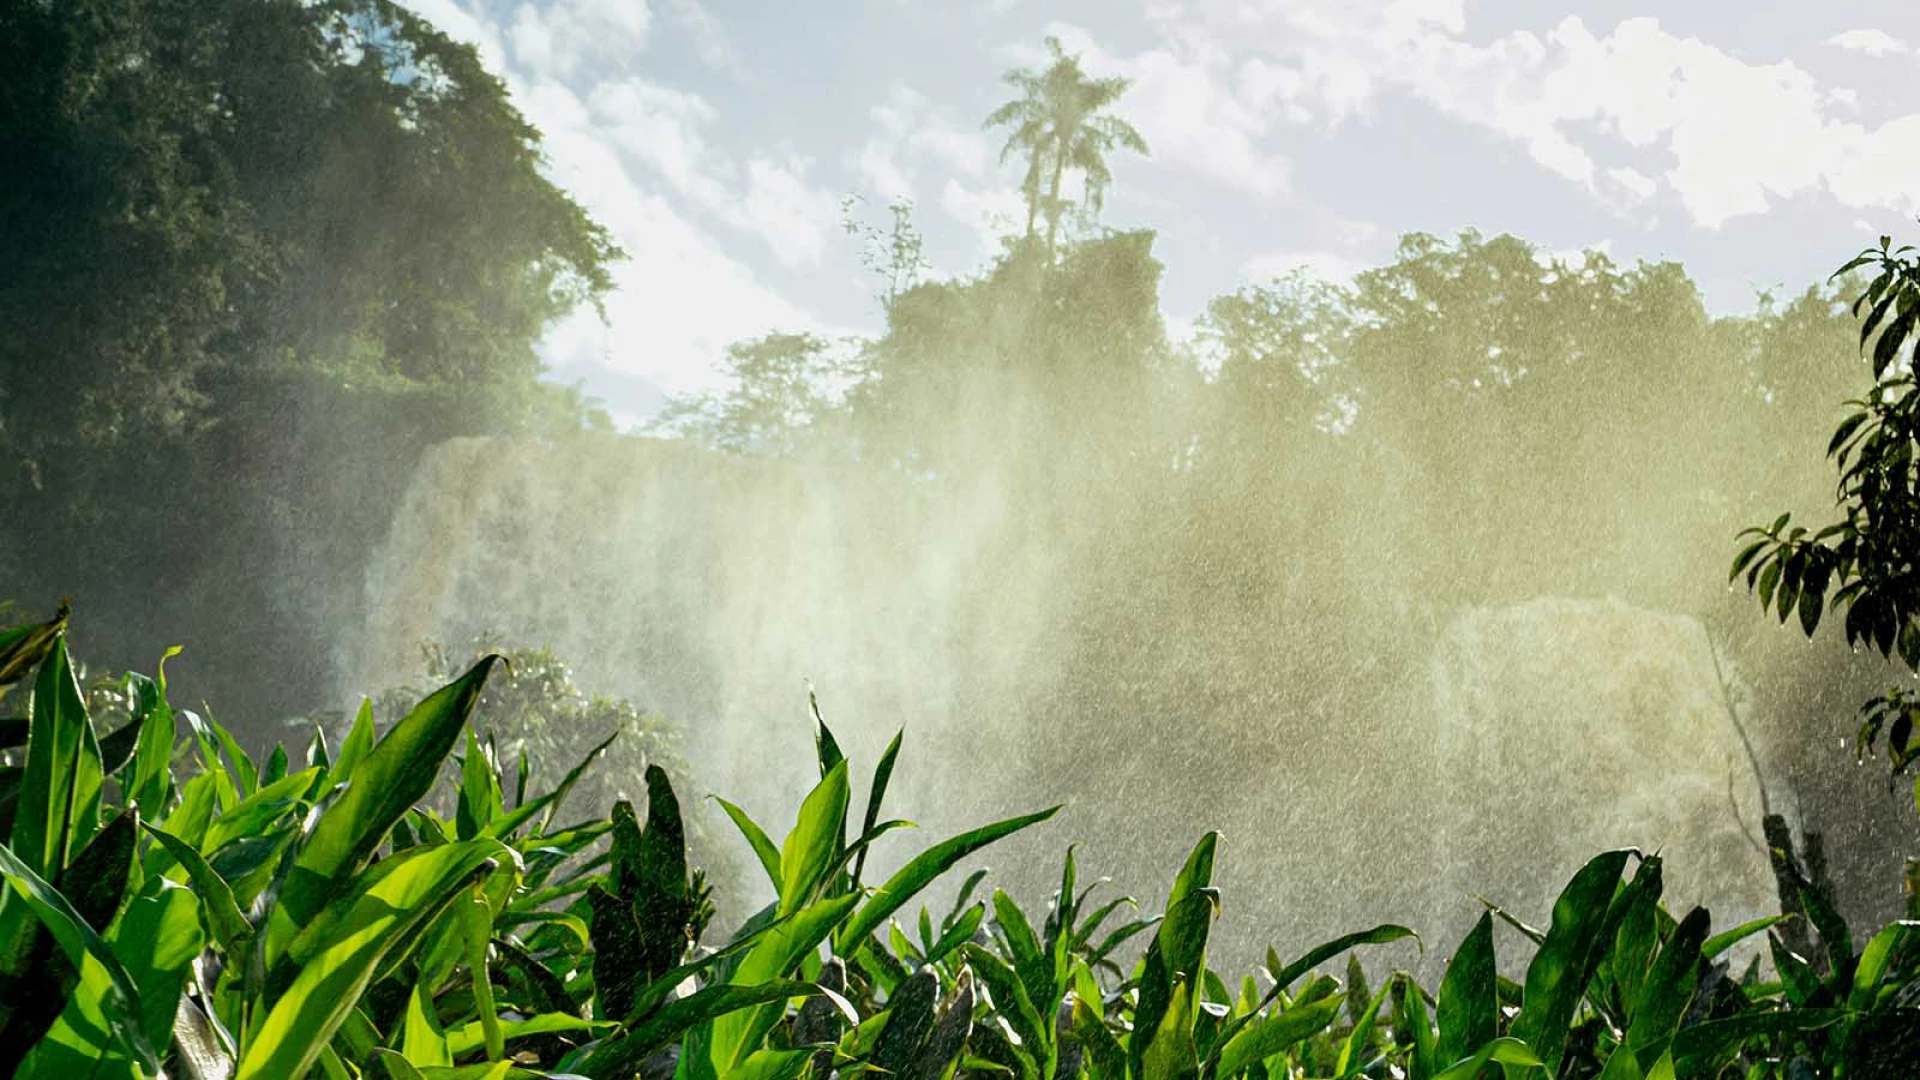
(471, 1036)
(1721, 942)
(549, 804)
(1320, 954)
(480, 798)
(149, 780)
(1745, 557)
(157, 940)
(1507, 1051)
(1010, 998)
(59, 802)
(959, 931)
(1670, 986)
(1698, 1048)
(763, 847)
(817, 836)
(1557, 977)
(1353, 1052)
(621, 1055)
(355, 747)
(396, 773)
(1468, 1011)
(882, 776)
(1875, 962)
(340, 954)
(922, 869)
(24, 648)
(230, 927)
(1268, 1036)
(120, 1002)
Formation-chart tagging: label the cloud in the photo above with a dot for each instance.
(709, 40)
(991, 211)
(782, 209)
(1194, 109)
(665, 129)
(556, 38)
(1871, 42)
(635, 155)
(910, 135)
(1624, 115)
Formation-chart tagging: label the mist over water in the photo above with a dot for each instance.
(1414, 619)
(1370, 753)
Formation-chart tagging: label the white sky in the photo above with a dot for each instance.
(1759, 144)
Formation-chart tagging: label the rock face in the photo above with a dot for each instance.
(1565, 727)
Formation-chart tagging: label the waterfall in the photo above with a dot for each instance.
(1525, 738)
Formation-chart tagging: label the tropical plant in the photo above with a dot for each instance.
(1868, 562)
(1058, 123)
(190, 910)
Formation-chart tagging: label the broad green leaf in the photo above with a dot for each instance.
(1557, 977)
(763, 847)
(1875, 960)
(622, 1054)
(59, 801)
(922, 869)
(1721, 942)
(1507, 1051)
(772, 958)
(395, 774)
(817, 836)
(254, 813)
(415, 887)
(230, 927)
(120, 1002)
(1267, 1036)
(422, 1039)
(1670, 986)
(1468, 1009)
(356, 746)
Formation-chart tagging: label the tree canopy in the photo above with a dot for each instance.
(199, 188)
(1059, 122)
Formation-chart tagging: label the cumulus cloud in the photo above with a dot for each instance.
(1727, 135)
(911, 135)
(555, 38)
(992, 211)
(1196, 110)
(1871, 42)
(637, 155)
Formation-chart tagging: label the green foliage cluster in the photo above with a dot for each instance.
(1868, 562)
(241, 239)
(184, 908)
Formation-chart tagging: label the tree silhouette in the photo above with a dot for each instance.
(1058, 124)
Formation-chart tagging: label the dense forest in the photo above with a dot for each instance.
(262, 260)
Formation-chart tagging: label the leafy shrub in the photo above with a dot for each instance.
(172, 904)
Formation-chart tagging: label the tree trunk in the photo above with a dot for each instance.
(1053, 194)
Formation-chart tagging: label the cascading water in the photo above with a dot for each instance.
(1564, 727)
(712, 589)
(1532, 736)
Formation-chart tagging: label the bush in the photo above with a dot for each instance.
(172, 904)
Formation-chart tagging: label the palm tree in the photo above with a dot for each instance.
(1057, 124)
